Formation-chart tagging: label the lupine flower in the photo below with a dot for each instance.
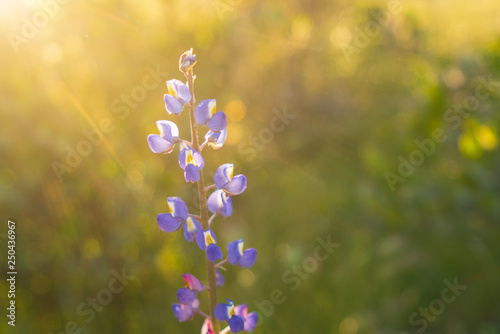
(164, 142)
(232, 185)
(191, 228)
(216, 139)
(236, 255)
(185, 312)
(206, 114)
(170, 222)
(207, 241)
(191, 162)
(207, 327)
(219, 279)
(220, 202)
(187, 295)
(178, 96)
(226, 312)
(187, 61)
(249, 320)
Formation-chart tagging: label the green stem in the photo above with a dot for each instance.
(202, 194)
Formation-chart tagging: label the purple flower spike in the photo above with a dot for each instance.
(249, 320)
(224, 179)
(206, 114)
(216, 139)
(178, 95)
(164, 142)
(220, 202)
(226, 312)
(236, 255)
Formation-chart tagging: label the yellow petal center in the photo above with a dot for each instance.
(171, 90)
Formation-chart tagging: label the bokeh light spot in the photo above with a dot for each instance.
(469, 146)
(349, 326)
(235, 110)
(487, 138)
(454, 78)
(245, 278)
(91, 249)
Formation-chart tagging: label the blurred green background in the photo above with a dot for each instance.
(364, 80)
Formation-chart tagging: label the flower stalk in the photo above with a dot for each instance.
(202, 195)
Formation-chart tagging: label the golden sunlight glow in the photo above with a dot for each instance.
(9, 9)
(487, 138)
(235, 110)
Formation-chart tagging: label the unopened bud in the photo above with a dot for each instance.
(187, 61)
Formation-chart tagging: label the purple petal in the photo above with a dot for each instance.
(216, 139)
(196, 304)
(172, 105)
(220, 202)
(236, 324)
(204, 111)
(186, 296)
(214, 253)
(191, 228)
(182, 312)
(248, 258)
(187, 63)
(168, 223)
(234, 251)
(237, 185)
(178, 207)
(193, 283)
(221, 312)
(251, 321)
(219, 279)
(198, 159)
(189, 156)
(179, 90)
(200, 241)
(228, 206)
(191, 173)
(159, 145)
(217, 122)
(241, 310)
(203, 236)
(223, 175)
(168, 130)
